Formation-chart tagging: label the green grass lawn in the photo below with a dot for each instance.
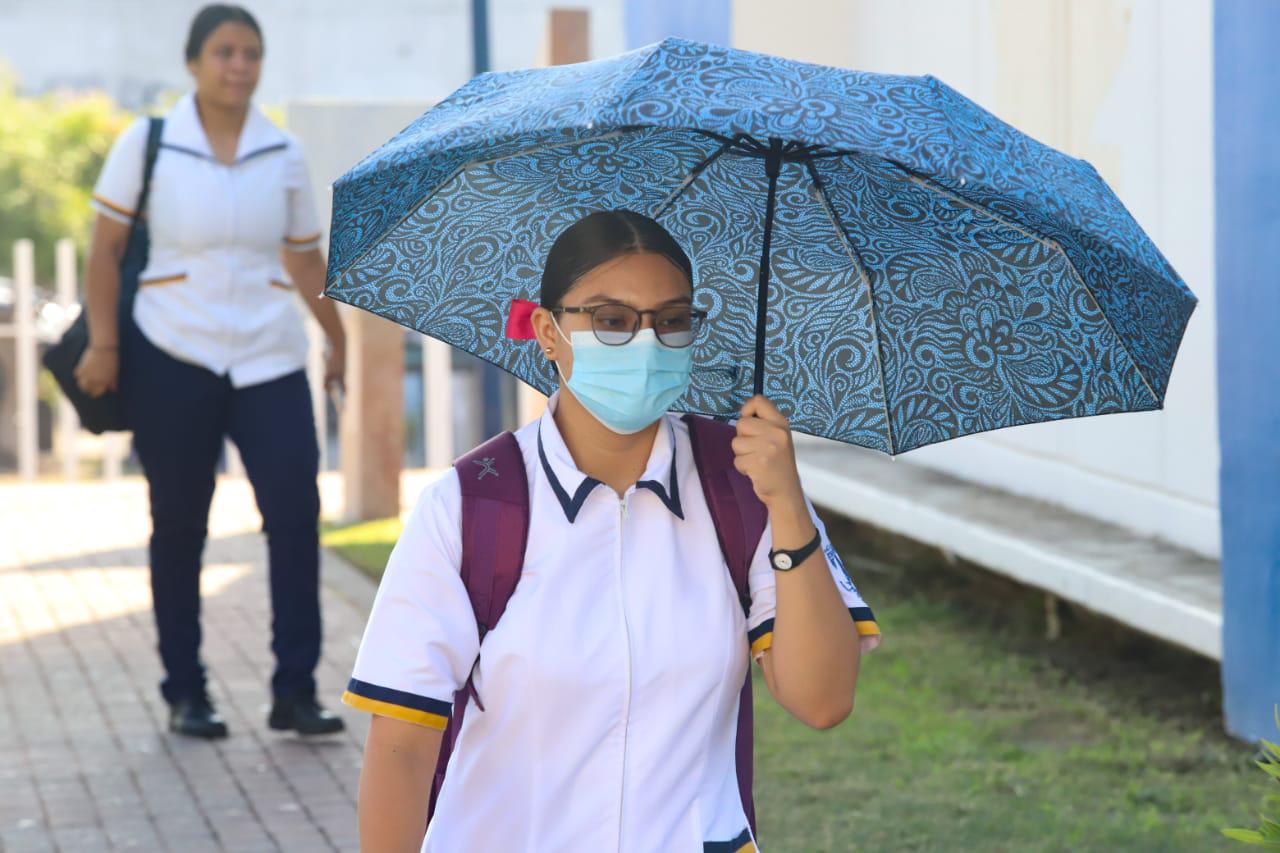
(974, 733)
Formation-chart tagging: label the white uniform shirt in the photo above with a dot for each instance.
(611, 682)
(214, 292)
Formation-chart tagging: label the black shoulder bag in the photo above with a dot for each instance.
(106, 413)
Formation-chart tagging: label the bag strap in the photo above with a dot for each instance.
(738, 514)
(129, 284)
(495, 532)
(739, 518)
(495, 525)
(155, 127)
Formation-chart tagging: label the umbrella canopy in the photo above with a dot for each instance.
(892, 264)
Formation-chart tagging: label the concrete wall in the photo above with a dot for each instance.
(379, 49)
(1127, 85)
(654, 20)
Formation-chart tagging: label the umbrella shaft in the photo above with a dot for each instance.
(772, 165)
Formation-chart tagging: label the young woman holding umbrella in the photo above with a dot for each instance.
(603, 701)
(215, 348)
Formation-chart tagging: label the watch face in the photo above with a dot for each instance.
(782, 561)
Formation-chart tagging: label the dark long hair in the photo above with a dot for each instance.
(600, 237)
(210, 18)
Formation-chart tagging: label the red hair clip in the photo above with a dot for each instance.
(520, 320)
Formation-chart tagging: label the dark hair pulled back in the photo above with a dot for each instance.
(210, 18)
(600, 237)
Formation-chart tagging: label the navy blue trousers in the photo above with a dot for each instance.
(180, 414)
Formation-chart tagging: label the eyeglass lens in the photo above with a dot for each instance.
(616, 325)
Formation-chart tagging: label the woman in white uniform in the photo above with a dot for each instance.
(610, 684)
(217, 349)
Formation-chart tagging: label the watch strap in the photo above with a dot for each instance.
(784, 560)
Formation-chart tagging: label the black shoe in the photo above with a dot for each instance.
(304, 715)
(195, 717)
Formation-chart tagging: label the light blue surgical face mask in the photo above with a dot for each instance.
(627, 387)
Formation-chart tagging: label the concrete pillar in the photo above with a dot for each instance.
(115, 447)
(570, 35)
(68, 424)
(437, 402)
(24, 322)
(372, 434)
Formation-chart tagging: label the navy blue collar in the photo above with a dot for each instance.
(668, 493)
(183, 132)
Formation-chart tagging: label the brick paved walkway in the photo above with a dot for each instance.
(85, 761)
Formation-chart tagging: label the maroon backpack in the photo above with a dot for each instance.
(495, 530)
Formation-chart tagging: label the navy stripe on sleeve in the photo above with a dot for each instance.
(759, 631)
(399, 697)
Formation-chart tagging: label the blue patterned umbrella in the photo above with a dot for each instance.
(890, 263)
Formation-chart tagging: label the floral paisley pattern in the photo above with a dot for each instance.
(933, 272)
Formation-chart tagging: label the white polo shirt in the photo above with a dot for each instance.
(214, 292)
(611, 682)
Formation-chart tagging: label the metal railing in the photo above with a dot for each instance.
(34, 320)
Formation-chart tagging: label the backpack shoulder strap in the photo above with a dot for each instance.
(495, 525)
(739, 518)
(495, 531)
(737, 513)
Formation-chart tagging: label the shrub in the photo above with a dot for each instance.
(51, 150)
(1268, 833)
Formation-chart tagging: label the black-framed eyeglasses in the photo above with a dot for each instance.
(615, 324)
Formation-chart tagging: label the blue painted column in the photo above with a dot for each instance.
(1247, 160)
(648, 21)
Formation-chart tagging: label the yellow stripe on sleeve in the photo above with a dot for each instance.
(763, 643)
(168, 279)
(302, 241)
(397, 712)
(117, 208)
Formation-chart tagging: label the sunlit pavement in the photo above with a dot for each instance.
(85, 760)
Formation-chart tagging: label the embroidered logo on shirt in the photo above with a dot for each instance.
(486, 467)
(833, 557)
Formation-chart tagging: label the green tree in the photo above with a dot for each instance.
(51, 149)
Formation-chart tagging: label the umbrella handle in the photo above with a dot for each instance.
(772, 166)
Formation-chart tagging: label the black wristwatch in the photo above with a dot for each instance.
(784, 560)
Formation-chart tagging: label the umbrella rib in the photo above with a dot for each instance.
(691, 177)
(741, 140)
(929, 184)
(794, 151)
(871, 298)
